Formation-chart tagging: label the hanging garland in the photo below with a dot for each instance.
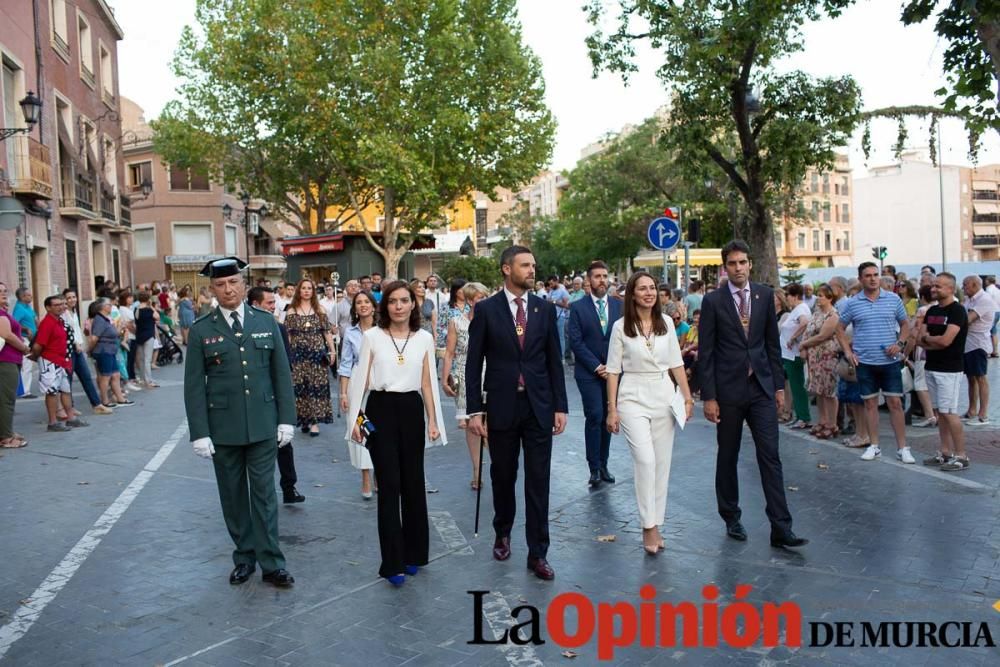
(900, 115)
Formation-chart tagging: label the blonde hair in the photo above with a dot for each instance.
(470, 290)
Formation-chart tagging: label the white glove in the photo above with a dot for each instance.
(203, 447)
(285, 434)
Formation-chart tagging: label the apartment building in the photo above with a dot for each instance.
(983, 198)
(73, 229)
(821, 231)
(180, 221)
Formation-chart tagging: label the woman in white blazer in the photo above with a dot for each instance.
(643, 353)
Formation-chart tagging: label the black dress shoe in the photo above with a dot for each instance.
(281, 578)
(788, 541)
(606, 476)
(241, 574)
(541, 568)
(595, 478)
(736, 531)
(501, 548)
(293, 496)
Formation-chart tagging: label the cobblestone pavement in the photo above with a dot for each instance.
(116, 553)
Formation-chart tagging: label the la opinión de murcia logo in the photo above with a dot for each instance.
(708, 624)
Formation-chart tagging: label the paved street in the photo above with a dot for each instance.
(121, 521)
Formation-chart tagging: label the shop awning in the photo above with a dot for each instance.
(984, 185)
(698, 257)
(986, 208)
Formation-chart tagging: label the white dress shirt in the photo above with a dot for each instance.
(513, 306)
(240, 312)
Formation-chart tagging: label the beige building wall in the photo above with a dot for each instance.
(823, 230)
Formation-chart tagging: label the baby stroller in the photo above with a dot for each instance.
(168, 347)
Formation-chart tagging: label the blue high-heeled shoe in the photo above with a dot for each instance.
(411, 569)
(396, 580)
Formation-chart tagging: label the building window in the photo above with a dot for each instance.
(847, 240)
(814, 183)
(828, 240)
(844, 189)
(814, 214)
(193, 239)
(845, 214)
(815, 240)
(190, 180)
(86, 51)
(72, 275)
(60, 27)
(145, 242)
(116, 265)
(801, 241)
(107, 76)
(137, 173)
(826, 211)
(11, 115)
(779, 239)
(230, 240)
(826, 184)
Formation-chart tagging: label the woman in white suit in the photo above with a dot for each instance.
(643, 354)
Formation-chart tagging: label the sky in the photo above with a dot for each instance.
(894, 65)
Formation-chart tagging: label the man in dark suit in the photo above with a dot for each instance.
(264, 299)
(742, 380)
(515, 333)
(590, 321)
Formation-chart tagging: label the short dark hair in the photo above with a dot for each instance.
(143, 297)
(794, 289)
(551, 278)
(736, 245)
(595, 265)
(68, 290)
(364, 278)
(508, 255)
(928, 267)
(663, 287)
(256, 294)
(383, 307)
(376, 273)
(865, 265)
(21, 291)
(50, 299)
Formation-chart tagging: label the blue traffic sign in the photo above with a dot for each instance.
(664, 233)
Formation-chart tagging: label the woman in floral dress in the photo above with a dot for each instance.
(313, 353)
(453, 373)
(820, 349)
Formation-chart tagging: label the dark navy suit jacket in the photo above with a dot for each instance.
(588, 342)
(724, 351)
(492, 339)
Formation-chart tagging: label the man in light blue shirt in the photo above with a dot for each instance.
(559, 296)
(692, 301)
(876, 352)
(24, 314)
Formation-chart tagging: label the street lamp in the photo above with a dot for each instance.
(227, 212)
(31, 108)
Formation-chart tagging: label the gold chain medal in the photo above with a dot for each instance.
(520, 330)
(400, 359)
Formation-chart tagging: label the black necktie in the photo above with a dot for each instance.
(237, 327)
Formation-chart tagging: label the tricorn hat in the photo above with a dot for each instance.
(223, 268)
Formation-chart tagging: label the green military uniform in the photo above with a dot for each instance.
(237, 389)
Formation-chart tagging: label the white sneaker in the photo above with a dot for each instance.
(905, 456)
(926, 423)
(872, 453)
(976, 421)
(132, 386)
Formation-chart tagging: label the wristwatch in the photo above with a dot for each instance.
(900, 343)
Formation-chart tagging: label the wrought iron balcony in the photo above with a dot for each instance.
(31, 172)
(985, 241)
(77, 193)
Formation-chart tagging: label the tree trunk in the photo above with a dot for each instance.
(989, 35)
(760, 237)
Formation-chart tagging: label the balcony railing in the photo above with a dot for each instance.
(989, 195)
(108, 207)
(77, 193)
(985, 241)
(986, 217)
(126, 211)
(31, 172)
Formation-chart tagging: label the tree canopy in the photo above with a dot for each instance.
(759, 128)
(341, 103)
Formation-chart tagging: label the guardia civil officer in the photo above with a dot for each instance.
(240, 409)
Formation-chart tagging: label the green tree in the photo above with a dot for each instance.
(792, 273)
(762, 128)
(971, 31)
(485, 270)
(343, 103)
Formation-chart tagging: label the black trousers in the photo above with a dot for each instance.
(397, 451)
(505, 447)
(758, 410)
(594, 395)
(286, 468)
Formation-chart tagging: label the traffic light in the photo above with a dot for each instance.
(880, 252)
(694, 230)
